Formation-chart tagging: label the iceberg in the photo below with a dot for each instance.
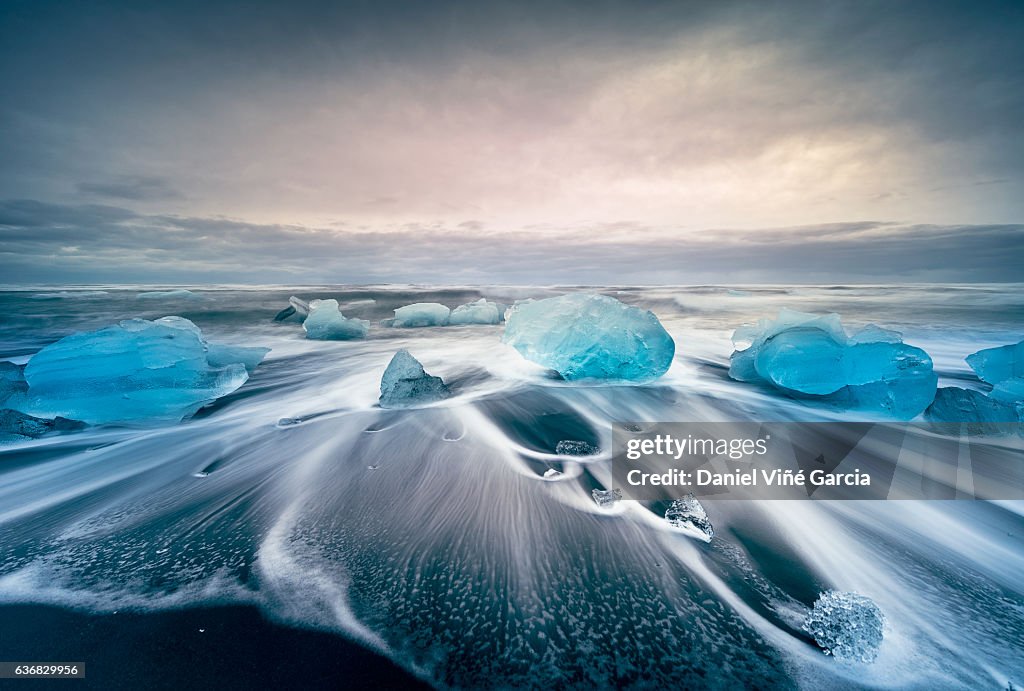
(590, 336)
(405, 383)
(1003, 368)
(419, 314)
(137, 370)
(996, 365)
(847, 626)
(982, 414)
(607, 498)
(177, 294)
(479, 312)
(689, 513)
(326, 323)
(810, 356)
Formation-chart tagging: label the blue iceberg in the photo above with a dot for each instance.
(138, 370)
(811, 356)
(848, 626)
(405, 383)
(996, 365)
(589, 336)
(479, 312)
(1003, 368)
(982, 414)
(325, 322)
(419, 314)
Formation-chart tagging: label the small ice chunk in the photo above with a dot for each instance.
(479, 312)
(551, 473)
(176, 294)
(326, 323)
(688, 513)
(847, 626)
(607, 498)
(300, 305)
(406, 383)
(810, 356)
(574, 447)
(590, 336)
(420, 314)
(137, 370)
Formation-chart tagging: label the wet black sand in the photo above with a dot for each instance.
(237, 649)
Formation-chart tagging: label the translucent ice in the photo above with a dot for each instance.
(689, 513)
(812, 356)
(846, 625)
(589, 336)
(995, 365)
(326, 323)
(135, 371)
(420, 314)
(479, 312)
(405, 383)
(606, 498)
(981, 413)
(1002, 367)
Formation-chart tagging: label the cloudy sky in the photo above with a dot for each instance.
(435, 142)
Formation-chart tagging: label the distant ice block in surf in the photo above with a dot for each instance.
(848, 626)
(419, 314)
(590, 336)
(325, 322)
(137, 370)
(296, 306)
(405, 383)
(479, 312)
(811, 356)
(688, 513)
(177, 294)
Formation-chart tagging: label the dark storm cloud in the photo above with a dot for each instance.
(47, 244)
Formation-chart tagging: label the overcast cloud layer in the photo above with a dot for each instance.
(511, 142)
